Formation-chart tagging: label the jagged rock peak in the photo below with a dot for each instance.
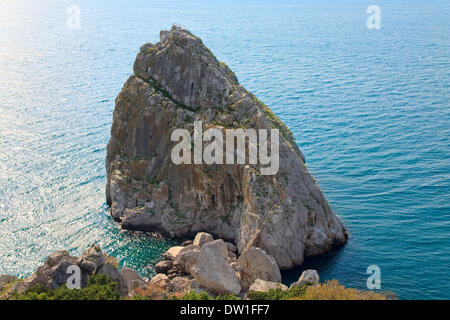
(184, 67)
(177, 82)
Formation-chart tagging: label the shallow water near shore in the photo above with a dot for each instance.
(368, 108)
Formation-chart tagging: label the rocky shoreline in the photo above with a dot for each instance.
(204, 265)
(199, 265)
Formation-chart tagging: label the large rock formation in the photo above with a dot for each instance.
(178, 81)
(56, 271)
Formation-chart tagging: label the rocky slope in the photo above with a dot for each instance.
(203, 265)
(178, 81)
(200, 269)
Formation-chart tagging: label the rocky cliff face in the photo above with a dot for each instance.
(178, 81)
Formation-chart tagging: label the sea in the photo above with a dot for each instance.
(363, 86)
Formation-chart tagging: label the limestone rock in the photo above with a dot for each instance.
(172, 253)
(201, 238)
(213, 272)
(308, 277)
(177, 81)
(231, 247)
(186, 243)
(53, 273)
(159, 280)
(180, 285)
(115, 276)
(187, 258)
(131, 278)
(264, 286)
(5, 280)
(164, 266)
(92, 259)
(255, 264)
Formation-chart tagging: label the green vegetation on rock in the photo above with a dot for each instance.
(99, 287)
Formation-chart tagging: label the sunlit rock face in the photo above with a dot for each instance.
(178, 81)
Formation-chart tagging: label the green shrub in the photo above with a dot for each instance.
(192, 295)
(277, 294)
(332, 290)
(99, 287)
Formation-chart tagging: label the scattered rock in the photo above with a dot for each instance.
(172, 253)
(308, 277)
(115, 276)
(92, 259)
(131, 278)
(231, 247)
(186, 243)
(213, 272)
(180, 285)
(232, 256)
(160, 280)
(53, 273)
(255, 263)
(187, 258)
(6, 279)
(264, 286)
(164, 266)
(201, 238)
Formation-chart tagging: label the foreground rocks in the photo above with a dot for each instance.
(212, 266)
(264, 286)
(209, 265)
(178, 81)
(255, 264)
(212, 270)
(56, 271)
(308, 277)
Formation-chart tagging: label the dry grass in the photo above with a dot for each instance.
(332, 290)
(152, 292)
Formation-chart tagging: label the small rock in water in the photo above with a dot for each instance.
(308, 277)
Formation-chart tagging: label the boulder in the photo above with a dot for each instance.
(164, 266)
(231, 247)
(187, 258)
(201, 238)
(53, 273)
(264, 286)
(5, 279)
(92, 259)
(186, 243)
(255, 263)
(172, 253)
(160, 280)
(213, 272)
(115, 276)
(131, 278)
(232, 256)
(308, 277)
(180, 285)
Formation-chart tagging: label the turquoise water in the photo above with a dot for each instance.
(368, 108)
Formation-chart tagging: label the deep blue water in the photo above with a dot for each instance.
(368, 108)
